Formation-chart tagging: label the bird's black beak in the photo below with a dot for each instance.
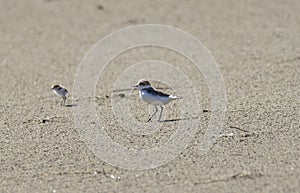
(135, 86)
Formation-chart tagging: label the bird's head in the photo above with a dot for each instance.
(142, 84)
(55, 87)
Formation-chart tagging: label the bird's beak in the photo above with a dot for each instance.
(135, 86)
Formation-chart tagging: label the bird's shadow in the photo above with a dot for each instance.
(72, 105)
(174, 120)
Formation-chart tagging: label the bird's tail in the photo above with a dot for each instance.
(175, 97)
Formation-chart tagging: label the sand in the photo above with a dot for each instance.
(255, 43)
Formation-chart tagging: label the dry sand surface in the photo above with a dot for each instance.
(256, 44)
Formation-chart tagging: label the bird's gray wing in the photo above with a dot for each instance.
(156, 92)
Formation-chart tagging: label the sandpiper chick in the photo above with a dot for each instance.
(153, 97)
(60, 91)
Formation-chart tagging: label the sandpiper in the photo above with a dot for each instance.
(153, 97)
(60, 91)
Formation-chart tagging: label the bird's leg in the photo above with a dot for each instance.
(160, 113)
(153, 113)
(63, 101)
(65, 98)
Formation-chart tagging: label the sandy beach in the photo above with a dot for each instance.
(256, 45)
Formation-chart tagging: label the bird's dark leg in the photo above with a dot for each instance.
(65, 98)
(153, 113)
(160, 112)
(63, 101)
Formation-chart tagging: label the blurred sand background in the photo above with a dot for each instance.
(256, 44)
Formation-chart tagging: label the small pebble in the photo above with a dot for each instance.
(100, 7)
(121, 95)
